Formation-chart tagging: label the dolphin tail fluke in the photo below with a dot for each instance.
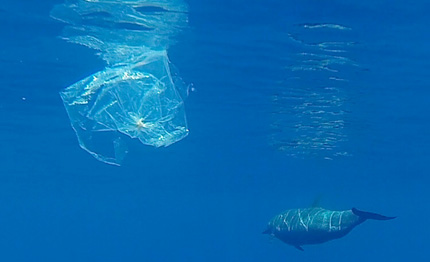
(368, 215)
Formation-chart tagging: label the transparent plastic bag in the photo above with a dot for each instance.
(136, 95)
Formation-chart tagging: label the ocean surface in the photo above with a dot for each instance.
(290, 102)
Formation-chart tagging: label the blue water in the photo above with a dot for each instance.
(254, 148)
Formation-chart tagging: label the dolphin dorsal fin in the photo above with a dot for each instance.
(317, 201)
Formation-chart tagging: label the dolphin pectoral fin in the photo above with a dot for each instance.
(368, 215)
(299, 248)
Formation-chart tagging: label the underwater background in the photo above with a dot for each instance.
(291, 102)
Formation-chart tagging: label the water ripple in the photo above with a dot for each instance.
(310, 106)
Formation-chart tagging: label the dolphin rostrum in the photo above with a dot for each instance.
(315, 225)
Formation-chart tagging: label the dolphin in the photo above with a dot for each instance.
(316, 225)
